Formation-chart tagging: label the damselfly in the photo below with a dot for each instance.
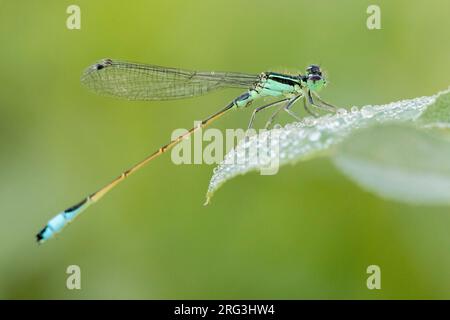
(135, 81)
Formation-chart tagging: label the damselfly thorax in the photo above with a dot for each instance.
(271, 84)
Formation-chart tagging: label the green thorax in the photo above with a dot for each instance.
(277, 84)
(273, 85)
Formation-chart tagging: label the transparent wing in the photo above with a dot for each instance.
(135, 81)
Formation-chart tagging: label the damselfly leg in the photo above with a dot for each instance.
(286, 108)
(305, 106)
(323, 105)
(291, 102)
(252, 119)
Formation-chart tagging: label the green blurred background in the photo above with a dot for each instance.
(307, 232)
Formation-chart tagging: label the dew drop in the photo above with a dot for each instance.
(309, 121)
(367, 112)
(314, 136)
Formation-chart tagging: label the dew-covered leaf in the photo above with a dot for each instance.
(437, 114)
(312, 137)
(399, 162)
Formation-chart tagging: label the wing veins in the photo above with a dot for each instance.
(134, 81)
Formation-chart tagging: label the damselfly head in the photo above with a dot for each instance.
(313, 80)
(313, 69)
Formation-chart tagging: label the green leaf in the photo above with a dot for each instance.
(313, 137)
(398, 162)
(437, 114)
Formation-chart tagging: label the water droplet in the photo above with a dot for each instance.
(367, 112)
(354, 109)
(314, 136)
(342, 112)
(289, 126)
(309, 121)
(301, 133)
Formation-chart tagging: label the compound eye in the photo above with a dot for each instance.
(314, 77)
(314, 69)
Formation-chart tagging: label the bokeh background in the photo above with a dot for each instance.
(307, 232)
